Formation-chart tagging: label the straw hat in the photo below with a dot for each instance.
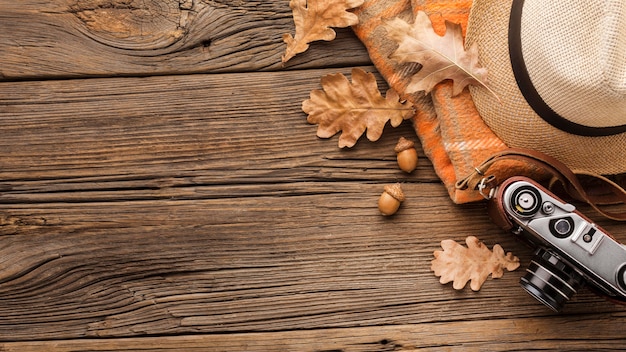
(559, 68)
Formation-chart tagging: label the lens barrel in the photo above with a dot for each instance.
(550, 281)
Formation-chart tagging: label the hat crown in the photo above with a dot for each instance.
(574, 53)
(559, 69)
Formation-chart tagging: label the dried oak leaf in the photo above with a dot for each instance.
(460, 264)
(354, 107)
(441, 57)
(313, 19)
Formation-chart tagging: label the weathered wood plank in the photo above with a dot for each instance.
(79, 139)
(524, 334)
(72, 38)
(255, 263)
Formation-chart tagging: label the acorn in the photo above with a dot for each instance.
(390, 199)
(406, 155)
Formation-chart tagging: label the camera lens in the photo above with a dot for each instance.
(550, 281)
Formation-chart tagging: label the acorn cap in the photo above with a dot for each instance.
(403, 144)
(395, 191)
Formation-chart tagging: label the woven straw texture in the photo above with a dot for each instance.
(580, 72)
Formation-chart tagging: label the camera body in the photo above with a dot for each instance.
(570, 249)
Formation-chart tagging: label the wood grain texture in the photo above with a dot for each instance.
(255, 264)
(162, 134)
(521, 334)
(73, 38)
(180, 200)
(205, 204)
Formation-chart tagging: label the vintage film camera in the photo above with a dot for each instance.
(570, 249)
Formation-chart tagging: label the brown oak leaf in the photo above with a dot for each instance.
(441, 57)
(475, 262)
(354, 107)
(313, 20)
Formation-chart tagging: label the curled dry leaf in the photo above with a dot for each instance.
(476, 262)
(441, 57)
(313, 20)
(354, 107)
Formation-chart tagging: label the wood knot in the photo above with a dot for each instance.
(134, 24)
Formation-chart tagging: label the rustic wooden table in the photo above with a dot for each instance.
(160, 189)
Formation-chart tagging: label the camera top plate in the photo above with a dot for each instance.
(540, 217)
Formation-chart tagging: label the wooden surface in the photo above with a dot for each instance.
(160, 189)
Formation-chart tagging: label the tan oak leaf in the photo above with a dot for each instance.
(441, 57)
(473, 263)
(313, 20)
(354, 107)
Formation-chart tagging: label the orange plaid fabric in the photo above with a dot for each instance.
(452, 134)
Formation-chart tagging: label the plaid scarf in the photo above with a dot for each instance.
(452, 133)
